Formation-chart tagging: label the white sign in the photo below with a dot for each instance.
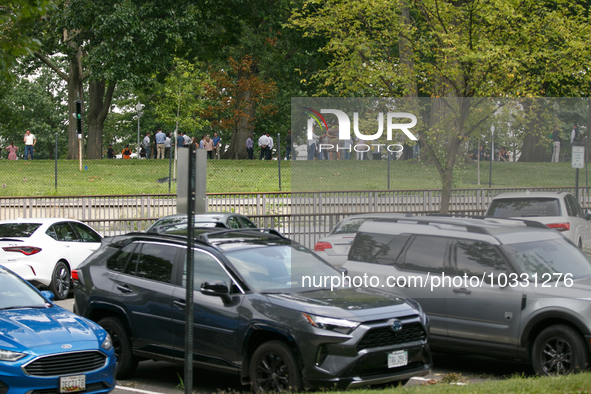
(578, 157)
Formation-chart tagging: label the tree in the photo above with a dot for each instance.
(236, 98)
(461, 49)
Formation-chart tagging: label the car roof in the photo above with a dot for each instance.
(493, 230)
(532, 194)
(39, 220)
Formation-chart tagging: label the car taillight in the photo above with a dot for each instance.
(75, 275)
(26, 250)
(559, 226)
(322, 246)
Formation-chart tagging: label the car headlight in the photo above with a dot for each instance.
(328, 323)
(107, 343)
(8, 355)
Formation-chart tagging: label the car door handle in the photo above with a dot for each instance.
(462, 290)
(179, 304)
(124, 289)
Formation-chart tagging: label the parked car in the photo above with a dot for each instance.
(558, 210)
(45, 348)
(44, 251)
(259, 312)
(334, 247)
(497, 287)
(204, 220)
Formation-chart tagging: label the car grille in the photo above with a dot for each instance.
(67, 363)
(385, 336)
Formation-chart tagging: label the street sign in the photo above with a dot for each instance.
(578, 157)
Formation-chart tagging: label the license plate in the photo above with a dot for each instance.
(397, 359)
(71, 384)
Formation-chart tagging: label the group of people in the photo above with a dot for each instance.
(29, 140)
(211, 145)
(157, 147)
(577, 138)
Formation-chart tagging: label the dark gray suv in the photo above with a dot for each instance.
(498, 287)
(259, 312)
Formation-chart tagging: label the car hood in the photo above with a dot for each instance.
(29, 328)
(351, 303)
(578, 289)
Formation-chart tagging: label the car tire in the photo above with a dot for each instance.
(126, 360)
(60, 281)
(273, 368)
(559, 350)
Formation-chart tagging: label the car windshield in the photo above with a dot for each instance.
(20, 230)
(524, 207)
(15, 293)
(348, 226)
(554, 256)
(280, 267)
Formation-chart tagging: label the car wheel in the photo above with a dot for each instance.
(126, 360)
(273, 368)
(559, 350)
(60, 281)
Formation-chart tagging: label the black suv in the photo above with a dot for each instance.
(254, 315)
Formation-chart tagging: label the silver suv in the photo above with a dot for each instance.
(498, 287)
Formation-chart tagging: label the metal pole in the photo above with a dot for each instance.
(189, 318)
(492, 154)
(586, 161)
(170, 163)
(56, 161)
(389, 153)
(138, 107)
(279, 157)
(577, 184)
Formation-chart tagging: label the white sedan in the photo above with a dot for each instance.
(45, 251)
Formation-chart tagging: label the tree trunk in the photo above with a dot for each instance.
(244, 115)
(98, 109)
(534, 141)
(75, 92)
(406, 51)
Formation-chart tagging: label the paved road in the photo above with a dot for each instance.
(155, 377)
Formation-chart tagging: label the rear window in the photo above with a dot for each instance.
(348, 226)
(524, 207)
(377, 248)
(20, 230)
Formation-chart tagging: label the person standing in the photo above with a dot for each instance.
(263, 142)
(146, 144)
(110, 152)
(576, 137)
(312, 148)
(288, 145)
(180, 140)
(216, 146)
(30, 142)
(167, 146)
(250, 147)
(188, 140)
(555, 145)
(269, 149)
(160, 140)
(126, 153)
(11, 151)
(208, 146)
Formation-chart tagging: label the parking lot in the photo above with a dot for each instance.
(166, 378)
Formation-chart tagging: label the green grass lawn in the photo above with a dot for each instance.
(37, 177)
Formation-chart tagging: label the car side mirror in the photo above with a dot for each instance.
(47, 294)
(218, 288)
(342, 270)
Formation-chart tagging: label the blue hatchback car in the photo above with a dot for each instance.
(45, 348)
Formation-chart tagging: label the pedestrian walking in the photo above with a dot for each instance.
(30, 142)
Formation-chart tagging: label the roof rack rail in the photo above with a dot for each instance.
(269, 232)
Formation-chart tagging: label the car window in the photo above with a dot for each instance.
(572, 206)
(118, 261)
(377, 248)
(348, 226)
(86, 233)
(20, 230)
(524, 207)
(64, 232)
(155, 262)
(206, 269)
(247, 223)
(478, 258)
(233, 222)
(425, 254)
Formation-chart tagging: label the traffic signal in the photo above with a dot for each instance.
(79, 116)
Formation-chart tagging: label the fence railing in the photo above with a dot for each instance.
(303, 216)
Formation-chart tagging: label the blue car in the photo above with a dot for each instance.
(45, 348)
